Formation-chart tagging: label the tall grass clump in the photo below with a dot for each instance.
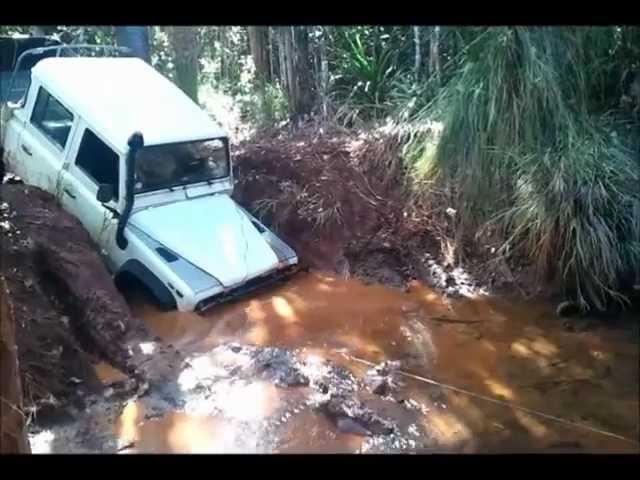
(365, 69)
(530, 146)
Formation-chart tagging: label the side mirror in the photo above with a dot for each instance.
(105, 193)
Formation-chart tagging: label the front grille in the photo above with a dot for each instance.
(251, 285)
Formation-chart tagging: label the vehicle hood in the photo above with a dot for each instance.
(213, 233)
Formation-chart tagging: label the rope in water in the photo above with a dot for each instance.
(500, 402)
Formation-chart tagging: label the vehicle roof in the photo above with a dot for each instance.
(118, 96)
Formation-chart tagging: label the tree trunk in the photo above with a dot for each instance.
(434, 53)
(259, 47)
(186, 52)
(304, 72)
(273, 60)
(418, 53)
(224, 63)
(282, 64)
(135, 38)
(324, 72)
(296, 70)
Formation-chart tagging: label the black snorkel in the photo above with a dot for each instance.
(135, 142)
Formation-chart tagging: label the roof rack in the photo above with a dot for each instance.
(79, 47)
(70, 50)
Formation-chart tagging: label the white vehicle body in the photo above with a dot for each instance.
(190, 243)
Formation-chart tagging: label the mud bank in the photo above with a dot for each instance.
(342, 201)
(332, 199)
(66, 309)
(13, 437)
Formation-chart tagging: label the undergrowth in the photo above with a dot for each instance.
(531, 148)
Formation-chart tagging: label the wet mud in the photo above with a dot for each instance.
(300, 368)
(66, 310)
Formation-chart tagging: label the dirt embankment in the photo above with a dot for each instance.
(67, 311)
(332, 198)
(13, 437)
(341, 201)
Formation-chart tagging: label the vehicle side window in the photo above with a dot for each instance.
(98, 160)
(52, 118)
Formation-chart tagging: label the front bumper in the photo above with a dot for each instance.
(255, 283)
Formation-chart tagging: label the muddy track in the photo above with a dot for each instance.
(67, 310)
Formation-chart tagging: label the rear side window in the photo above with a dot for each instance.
(98, 160)
(52, 118)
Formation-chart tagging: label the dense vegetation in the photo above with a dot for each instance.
(538, 141)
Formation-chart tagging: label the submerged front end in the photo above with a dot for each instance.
(216, 248)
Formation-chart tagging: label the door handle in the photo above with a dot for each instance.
(26, 150)
(69, 192)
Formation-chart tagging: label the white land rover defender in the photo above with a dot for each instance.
(148, 174)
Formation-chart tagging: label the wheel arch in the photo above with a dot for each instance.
(143, 274)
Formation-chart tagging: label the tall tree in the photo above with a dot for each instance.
(324, 71)
(259, 46)
(295, 70)
(434, 52)
(223, 39)
(186, 48)
(418, 53)
(137, 39)
(273, 58)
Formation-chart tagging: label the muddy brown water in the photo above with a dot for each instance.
(517, 353)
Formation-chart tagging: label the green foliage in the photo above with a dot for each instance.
(225, 57)
(408, 98)
(98, 35)
(265, 108)
(260, 105)
(161, 57)
(364, 65)
(274, 107)
(14, 30)
(527, 145)
(575, 212)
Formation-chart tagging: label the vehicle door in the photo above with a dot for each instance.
(43, 142)
(92, 162)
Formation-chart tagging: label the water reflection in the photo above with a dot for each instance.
(516, 352)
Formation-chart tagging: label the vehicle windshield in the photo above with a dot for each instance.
(174, 165)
